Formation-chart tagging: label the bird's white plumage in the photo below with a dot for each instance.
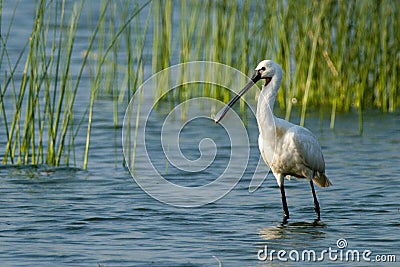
(288, 149)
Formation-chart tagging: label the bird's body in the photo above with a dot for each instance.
(288, 149)
(295, 152)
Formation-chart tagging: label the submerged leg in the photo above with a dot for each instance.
(316, 204)
(284, 204)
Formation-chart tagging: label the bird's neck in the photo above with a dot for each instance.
(268, 94)
(265, 105)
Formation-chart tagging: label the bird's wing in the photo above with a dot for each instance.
(308, 148)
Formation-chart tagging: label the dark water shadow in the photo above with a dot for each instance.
(39, 171)
(38, 167)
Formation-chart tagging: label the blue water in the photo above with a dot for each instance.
(101, 217)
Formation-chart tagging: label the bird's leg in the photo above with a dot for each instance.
(316, 204)
(284, 204)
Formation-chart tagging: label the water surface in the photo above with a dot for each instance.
(100, 216)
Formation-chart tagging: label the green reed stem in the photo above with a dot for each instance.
(68, 114)
(310, 67)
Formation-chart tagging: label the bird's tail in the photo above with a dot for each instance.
(321, 180)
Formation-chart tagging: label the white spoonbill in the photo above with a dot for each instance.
(288, 149)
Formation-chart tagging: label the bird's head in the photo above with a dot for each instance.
(267, 70)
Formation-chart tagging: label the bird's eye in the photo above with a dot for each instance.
(263, 68)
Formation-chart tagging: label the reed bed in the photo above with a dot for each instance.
(338, 56)
(42, 126)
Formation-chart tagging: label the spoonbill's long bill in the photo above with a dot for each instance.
(288, 149)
